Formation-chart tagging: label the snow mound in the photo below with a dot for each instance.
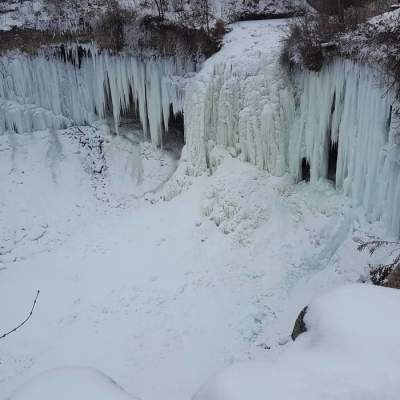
(75, 383)
(350, 352)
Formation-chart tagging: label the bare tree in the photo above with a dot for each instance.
(202, 13)
(161, 6)
(340, 10)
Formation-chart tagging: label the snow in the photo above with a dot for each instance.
(160, 295)
(68, 16)
(52, 181)
(349, 352)
(71, 383)
(65, 16)
(18, 14)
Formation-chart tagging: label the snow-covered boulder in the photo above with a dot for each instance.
(73, 383)
(350, 351)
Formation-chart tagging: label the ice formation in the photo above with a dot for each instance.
(347, 106)
(76, 85)
(338, 124)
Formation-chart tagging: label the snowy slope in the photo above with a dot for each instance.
(162, 295)
(66, 15)
(69, 15)
(350, 352)
(54, 181)
(19, 14)
(71, 383)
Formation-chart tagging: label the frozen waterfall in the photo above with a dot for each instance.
(76, 85)
(347, 106)
(340, 123)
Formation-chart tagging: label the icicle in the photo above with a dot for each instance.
(343, 120)
(75, 88)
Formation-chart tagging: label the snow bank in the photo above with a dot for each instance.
(57, 91)
(71, 383)
(243, 101)
(350, 352)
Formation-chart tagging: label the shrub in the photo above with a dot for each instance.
(312, 37)
(383, 274)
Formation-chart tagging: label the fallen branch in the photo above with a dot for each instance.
(26, 319)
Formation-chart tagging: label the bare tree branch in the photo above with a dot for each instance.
(26, 319)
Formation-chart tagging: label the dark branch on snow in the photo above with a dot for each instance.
(26, 319)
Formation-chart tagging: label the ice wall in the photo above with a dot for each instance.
(349, 106)
(76, 85)
(246, 105)
(241, 101)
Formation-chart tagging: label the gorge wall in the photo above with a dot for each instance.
(338, 124)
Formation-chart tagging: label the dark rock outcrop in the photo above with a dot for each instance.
(393, 280)
(386, 275)
(299, 326)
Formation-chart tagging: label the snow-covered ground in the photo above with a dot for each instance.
(65, 15)
(157, 295)
(350, 352)
(71, 383)
(161, 295)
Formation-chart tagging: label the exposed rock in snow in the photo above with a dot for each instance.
(349, 352)
(393, 280)
(299, 326)
(73, 383)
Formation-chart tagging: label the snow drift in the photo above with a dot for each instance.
(76, 85)
(75, 383)
(349, 352)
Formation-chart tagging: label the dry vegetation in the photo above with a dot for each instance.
(193, 29)
(314, 38)
(164, 37)
(383, 274)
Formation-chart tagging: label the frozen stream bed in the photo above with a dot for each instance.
(158, 295)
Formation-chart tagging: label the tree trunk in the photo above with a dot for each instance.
(340, 6)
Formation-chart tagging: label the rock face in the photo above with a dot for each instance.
(393, 280)
(331, 6)
(299, 326)
(386, 276)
